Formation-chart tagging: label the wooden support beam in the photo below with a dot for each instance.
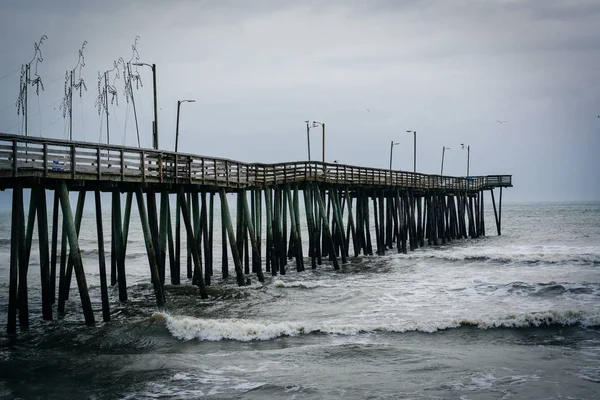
(42, 218)
(175, 275)
(323, 212)
(269, 267)
(249, 223)
(101, 259)
(54, 248)
(163, 228)
(118, 245)
(64, 282)
(234, 250)
(151, 252)
(205, 241)
(25, 251)
(72, 235)
(224, 261)
(15, 242)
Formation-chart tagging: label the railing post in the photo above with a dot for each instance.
(176, 167)
(98, 162)
(14, 166)
(45, 156)
(160, 168)
(143, 166)
(73, 163)
(226, 172)
(202, 163)
(122, 165)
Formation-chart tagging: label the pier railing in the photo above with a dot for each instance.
(22, 156)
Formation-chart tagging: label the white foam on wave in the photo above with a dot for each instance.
(526, 254)
(188, 328)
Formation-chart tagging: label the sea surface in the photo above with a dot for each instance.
(510, 316)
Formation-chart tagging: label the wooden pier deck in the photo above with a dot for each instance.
(408, 209)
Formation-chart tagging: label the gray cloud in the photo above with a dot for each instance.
(258, 69)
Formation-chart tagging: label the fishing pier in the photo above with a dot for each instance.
(346, 211)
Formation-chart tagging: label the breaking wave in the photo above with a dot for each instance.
(525, 254)
(189, 328)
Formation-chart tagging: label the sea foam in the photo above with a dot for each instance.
(188, 328)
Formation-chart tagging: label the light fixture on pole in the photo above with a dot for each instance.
(392, 144)
(444, 148)
(308, 137)
(155, 124)
(468, 156)
(177, 126)
(315, 124)
(414, 151)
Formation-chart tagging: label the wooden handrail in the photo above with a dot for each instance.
(51, 158)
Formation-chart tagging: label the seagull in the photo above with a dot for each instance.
(370, 111)
(500, 122)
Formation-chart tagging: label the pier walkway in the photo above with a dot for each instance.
(408, 210)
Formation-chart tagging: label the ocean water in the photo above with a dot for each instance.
(511, 316)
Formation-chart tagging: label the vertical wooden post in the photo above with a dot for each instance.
(118, 244)
(204, 229)
(500, 213)
(310, 227)
(340, 223)
(72, 235)
(101, 259)
(25, 251)
(234, 250)
(269, 216)
(173, 271)
(163, 228)
(351, 225)
(189, 243)
(64, 283)
(366, 216)
(210, 230)
(16, 228)
(323, 212)
(197, 242)
(175, 275)
(224, 262)
(251, 233)
(185, 213)
(53, 254)
(155, 278)
(42, 214)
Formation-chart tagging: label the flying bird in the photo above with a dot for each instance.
(500, 122)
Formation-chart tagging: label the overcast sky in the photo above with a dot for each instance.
(369, 69)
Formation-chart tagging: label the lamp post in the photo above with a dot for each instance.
(392, 144)
(155, 123)
(444, 148)
(315, 124)
(414, 151)
(308, 137)
(468, 156)
(177, 127)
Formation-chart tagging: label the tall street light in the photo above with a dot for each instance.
(468, 156)
(444, 148)
(315, 124)
(392, 144)
(155, 124)
(177, 127)
(308, 137)
(414, 151)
